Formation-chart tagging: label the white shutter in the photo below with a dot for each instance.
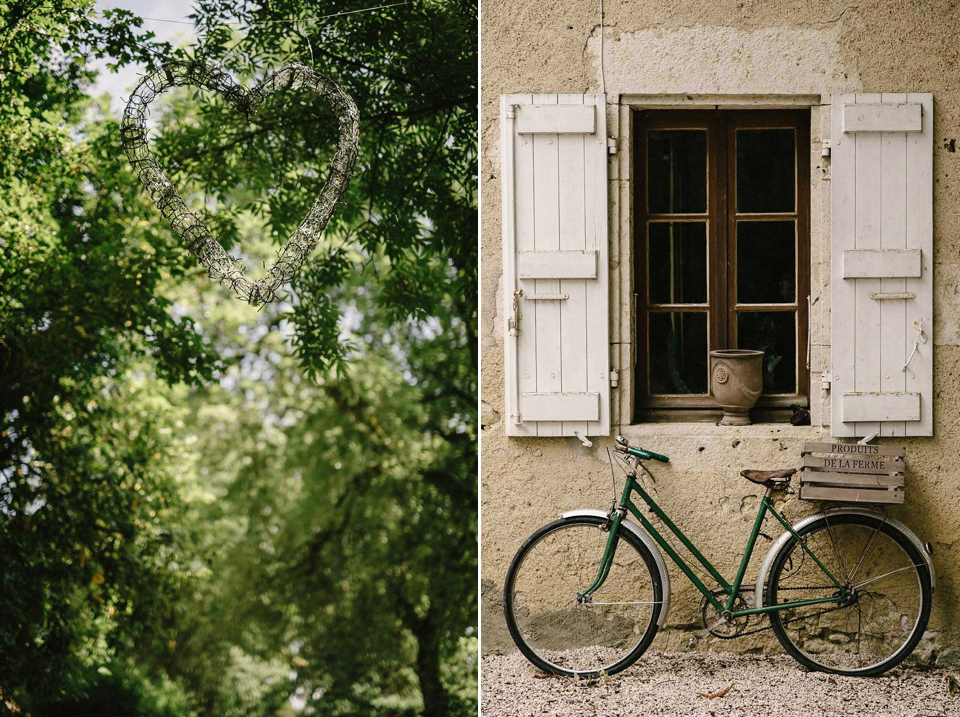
(882, 265)
(555, 267)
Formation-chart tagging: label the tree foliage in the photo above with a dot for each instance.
(242, 512)
(84, 475)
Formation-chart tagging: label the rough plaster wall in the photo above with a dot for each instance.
(726, 47)
(721, 59)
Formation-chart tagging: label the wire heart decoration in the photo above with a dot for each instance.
(190, 227)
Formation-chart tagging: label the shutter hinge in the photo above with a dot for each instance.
(611, 145)
(513, 322)
(511, 112)
(614, 377)
(825, 380)
(825, 148)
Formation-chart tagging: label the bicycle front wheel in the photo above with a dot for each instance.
(887, 603)
(563, 631)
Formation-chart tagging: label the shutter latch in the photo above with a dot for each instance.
(513, 323)
(583, 439)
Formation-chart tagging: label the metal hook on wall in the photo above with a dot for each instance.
(921, 339)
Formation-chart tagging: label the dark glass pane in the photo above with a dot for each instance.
(677, 263)
(678, 352)
(766, 258)
(677, 171)
(766, 171)
(774, 333)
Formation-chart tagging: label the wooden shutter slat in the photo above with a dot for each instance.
(885, 263)
(560, 264)
(572, 245)
(843, 293)
(546, 178)
(553, 407)
(525, 369)
(598, 293)
(919, 231)
(868, 222)
(548, 118)
(893, 239)
(886, 117)
(881, 406)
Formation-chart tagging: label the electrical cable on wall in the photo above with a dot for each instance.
(603, 81)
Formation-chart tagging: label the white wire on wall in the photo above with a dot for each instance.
(603, 81)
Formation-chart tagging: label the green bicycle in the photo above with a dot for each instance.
(847, 590)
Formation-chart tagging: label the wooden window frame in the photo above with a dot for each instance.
(721, 215)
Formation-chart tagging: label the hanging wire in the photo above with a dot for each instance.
(309, 44)
(613, 474)
(271, 22)
(223, 60)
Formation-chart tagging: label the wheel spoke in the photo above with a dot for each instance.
(836, 552)
(863, 555)
(881, 577)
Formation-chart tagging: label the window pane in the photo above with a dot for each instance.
(677, 171)
(773, 332)
(766, 259)
(678, 352)
(766, 171)
(677, 263)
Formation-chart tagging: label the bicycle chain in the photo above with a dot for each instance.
(803, 617)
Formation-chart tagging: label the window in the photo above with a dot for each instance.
(721, 252)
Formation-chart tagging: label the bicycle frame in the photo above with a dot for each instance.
(731, 589)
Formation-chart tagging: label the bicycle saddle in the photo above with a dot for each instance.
(768, 478)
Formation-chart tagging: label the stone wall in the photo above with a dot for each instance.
(693, 49)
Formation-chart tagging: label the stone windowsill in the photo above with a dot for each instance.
(696, 429)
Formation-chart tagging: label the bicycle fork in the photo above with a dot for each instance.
(613, 526)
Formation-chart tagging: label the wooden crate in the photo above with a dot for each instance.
(852, 473)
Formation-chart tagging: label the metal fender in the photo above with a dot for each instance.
(782, 540)
(647, 541)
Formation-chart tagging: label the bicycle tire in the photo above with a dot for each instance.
(561, 635)
(878, 628)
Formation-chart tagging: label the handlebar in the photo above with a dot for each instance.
(624, 447)
(646, 455)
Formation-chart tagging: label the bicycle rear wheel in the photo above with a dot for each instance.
(890, 591)
(559, 630)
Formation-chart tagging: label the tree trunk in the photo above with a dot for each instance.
(435, 698)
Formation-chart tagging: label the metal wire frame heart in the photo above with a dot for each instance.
(191, 229)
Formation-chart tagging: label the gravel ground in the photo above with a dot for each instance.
(668, 683)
